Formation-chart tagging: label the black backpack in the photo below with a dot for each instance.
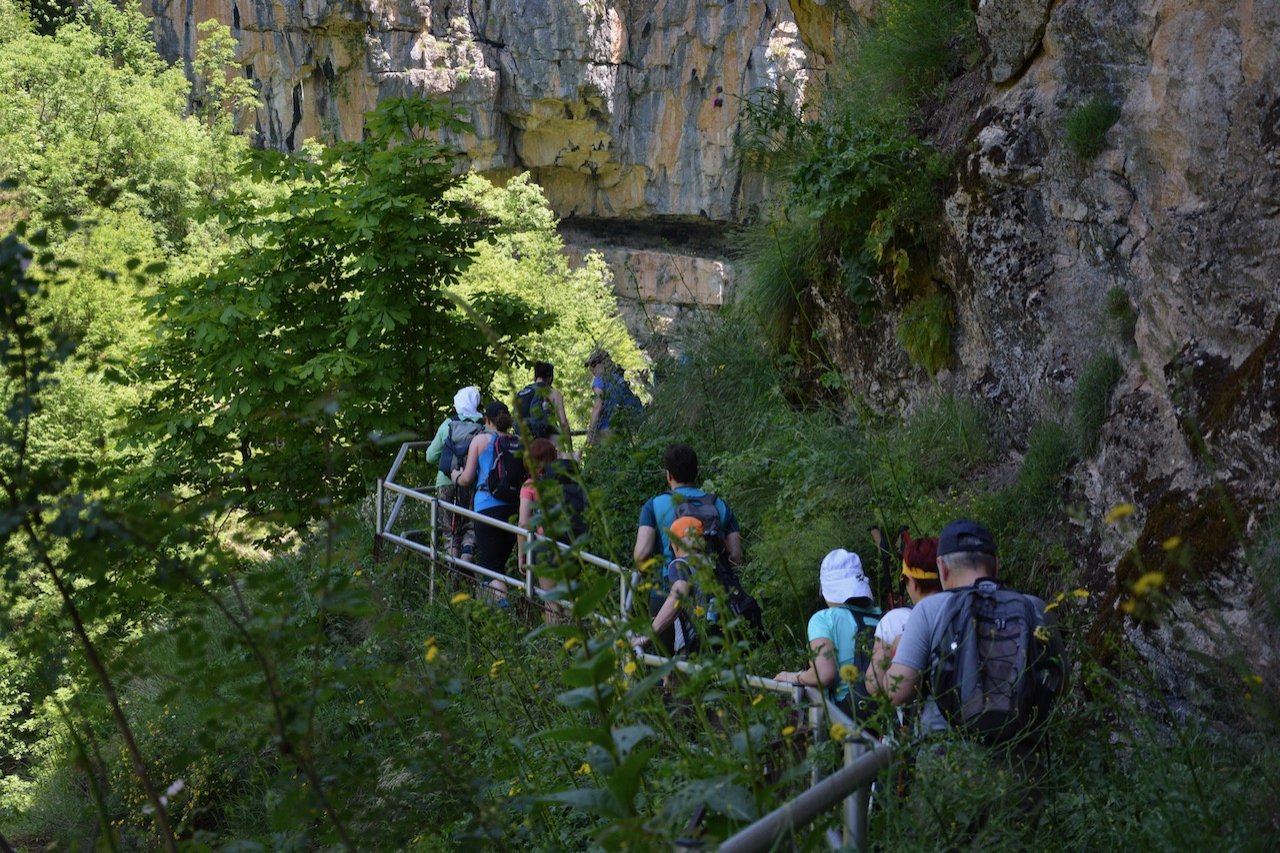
(535, 409)
(993, 677)
(573, 498)
(861, 705)
(739, 603)
(457, 442)
(507, 474)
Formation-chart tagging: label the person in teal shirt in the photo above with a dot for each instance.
(448, 451)
(658, 513)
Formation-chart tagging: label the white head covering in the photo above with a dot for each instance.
(467, 402)
(842, 577)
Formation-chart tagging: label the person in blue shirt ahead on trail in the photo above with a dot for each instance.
(657, 514)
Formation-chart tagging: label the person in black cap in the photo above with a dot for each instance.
(966, 556)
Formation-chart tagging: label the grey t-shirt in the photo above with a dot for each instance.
(920, 638)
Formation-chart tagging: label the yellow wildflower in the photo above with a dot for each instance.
(1127, 605)
(496, 667)
(1042, 633)
(432, 653)
(571, 644)
(1050, 606)
(788, 731)
(1118, 512)
(1080, 593)
(1254, 680)
(358, 572)
(458, 598)
(584, 769)
(757, 699)
(513, 790)
(1148, 583)
(838, 732)
(699, 611)
(630, 667)
(1171, 543)
(849, 673)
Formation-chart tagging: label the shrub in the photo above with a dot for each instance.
(1121, 316)
(925, 331)
(1092, 395)
(1087, 127)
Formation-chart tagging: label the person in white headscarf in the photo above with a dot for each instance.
(448, 451)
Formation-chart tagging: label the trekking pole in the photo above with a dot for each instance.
(377, 530)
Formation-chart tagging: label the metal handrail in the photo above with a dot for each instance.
(851, 784)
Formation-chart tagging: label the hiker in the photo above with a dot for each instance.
(840, 635)
(1014, 691)
(920, 574)
(488, 450)
(673, 629)
(614, 399)
(540, 406)
(567, 519)
(448, 450)
(680, 463)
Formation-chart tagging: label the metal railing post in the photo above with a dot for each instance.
(855, 806)
(377, 531)
(819, 733)
(435, 544)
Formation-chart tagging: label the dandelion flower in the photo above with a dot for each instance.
(630, 667)
(458, 598)
(1171, 543)
(571, 644)
(849, 673)
(1148, 583)
(496, 667)
(757, 699)
(699, 611)
(838, 732)
(1042, 633)
(788, 731)
(1080, 593)
(1118, 512)
(584, 769)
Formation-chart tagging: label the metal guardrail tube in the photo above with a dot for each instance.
(724, 675)
(764, 833)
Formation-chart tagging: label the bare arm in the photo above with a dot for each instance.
(881, 658)
(467, 476)
(822, 670)
(899, 683)
(667, 614)
(646, 542)
(733, 545)
(566, 434)
(596, 408)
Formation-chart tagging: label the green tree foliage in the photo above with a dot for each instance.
(328, 328)
(526, 260)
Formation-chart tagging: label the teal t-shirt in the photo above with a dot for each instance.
(837, 625)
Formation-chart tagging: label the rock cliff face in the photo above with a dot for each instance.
(1163, 247)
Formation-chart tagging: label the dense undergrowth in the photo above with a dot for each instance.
(306, 696)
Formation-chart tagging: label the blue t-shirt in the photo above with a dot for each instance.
(484, 465)
(659, 512)
(617, 395)
(837, 625)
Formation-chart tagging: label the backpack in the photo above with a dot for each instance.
(573, 498)
(619, 399)
(507, 474)
(535, 409)
(738, 602)
(457, 442)
(993, 678)
(865, 619)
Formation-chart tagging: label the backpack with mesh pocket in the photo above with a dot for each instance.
(993, 677)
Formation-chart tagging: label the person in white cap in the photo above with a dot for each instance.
(448, 450)
(840, 634)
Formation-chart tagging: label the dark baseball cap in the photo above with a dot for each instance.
(963, 535)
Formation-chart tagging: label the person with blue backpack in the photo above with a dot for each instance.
(448, 450)
(841, 635)
(615, 402)
(495, 463)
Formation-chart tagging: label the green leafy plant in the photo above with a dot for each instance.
(1120, 313)
(925, 331)
(1091, 398)
(1087, 126)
